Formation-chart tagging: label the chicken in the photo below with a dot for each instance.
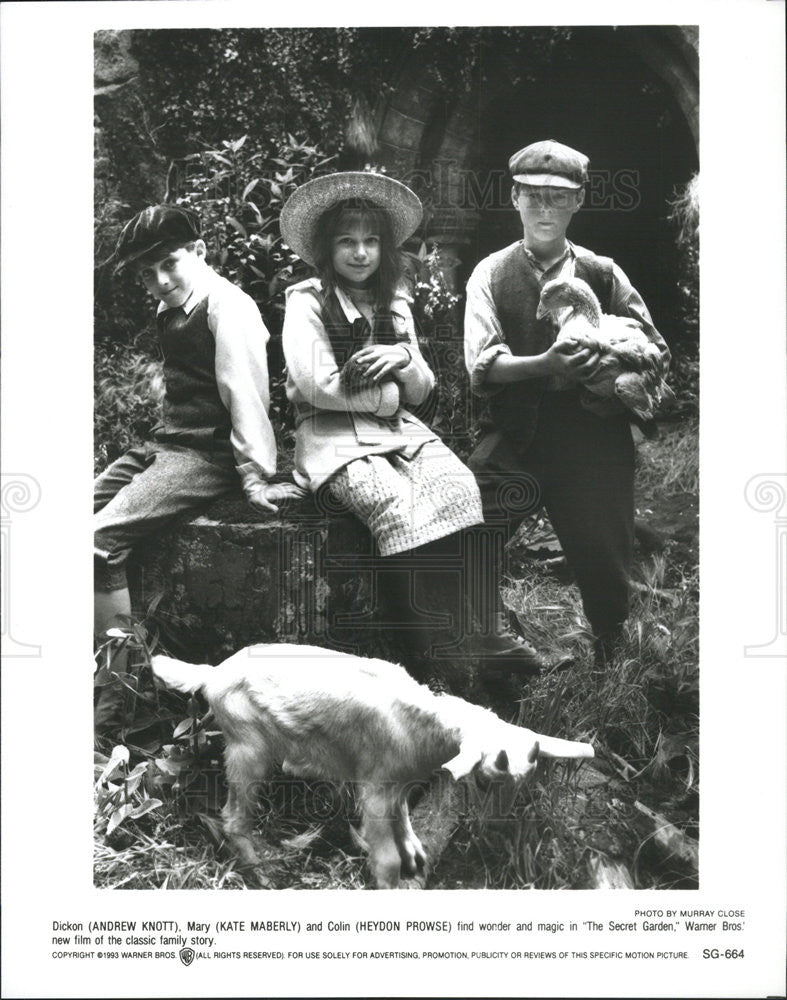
(630, 365)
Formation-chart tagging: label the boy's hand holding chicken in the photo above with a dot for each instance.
(572, 360)
(609, 355)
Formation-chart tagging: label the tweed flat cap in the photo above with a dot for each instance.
(304, 207)
(158, 227)
(549, 164)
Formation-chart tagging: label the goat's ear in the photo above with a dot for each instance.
(532, 756)
(501, 761)
(464, 762)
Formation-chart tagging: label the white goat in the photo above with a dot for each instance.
(324, 714)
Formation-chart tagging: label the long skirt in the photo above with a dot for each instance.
(407, 502)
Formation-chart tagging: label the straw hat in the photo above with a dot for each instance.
(304, 207)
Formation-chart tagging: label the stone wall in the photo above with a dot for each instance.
(230, 578)
(129, 173)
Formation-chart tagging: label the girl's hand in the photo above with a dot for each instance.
(379, 360)
(567, 359)
(353, 376)
(266, 496)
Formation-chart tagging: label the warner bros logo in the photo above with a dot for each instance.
(186, 955)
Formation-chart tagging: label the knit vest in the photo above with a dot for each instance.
(516, 291)
(194, 414)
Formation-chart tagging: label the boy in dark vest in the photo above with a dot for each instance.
(215, 433)
(538, 444)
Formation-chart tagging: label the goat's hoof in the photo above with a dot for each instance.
(413, 856)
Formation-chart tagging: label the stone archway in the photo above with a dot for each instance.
(627, 96)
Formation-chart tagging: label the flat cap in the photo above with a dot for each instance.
(549, 164)
(156, 228)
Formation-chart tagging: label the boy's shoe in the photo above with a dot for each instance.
(505, 651)
(516, 654)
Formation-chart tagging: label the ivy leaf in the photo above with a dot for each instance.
(132, 784)
(119, 815)
(119, 758)
(147, 806)
(170, 767)
(153, 606)
(236, 225)
(182, 727)
(139, 634)
(102, 677)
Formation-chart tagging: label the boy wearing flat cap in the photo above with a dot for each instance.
(539, 444)
(215, 433)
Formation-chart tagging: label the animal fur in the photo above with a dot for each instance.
(324, 714)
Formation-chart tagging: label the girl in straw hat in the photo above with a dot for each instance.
(354, 366)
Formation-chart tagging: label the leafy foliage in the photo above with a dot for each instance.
(684, 214)
(128, 387)
(201, 85)
(438, 319)
(121, 793)
(433, 298)
(205, 84)
(164, 736)
(239, 190)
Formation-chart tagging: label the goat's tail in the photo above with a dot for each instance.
(185, 677)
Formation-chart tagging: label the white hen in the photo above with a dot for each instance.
(630, 365)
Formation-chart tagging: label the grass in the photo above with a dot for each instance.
(670, 465)
(641, 713)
